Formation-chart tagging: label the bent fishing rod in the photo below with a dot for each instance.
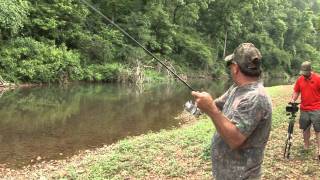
(134, 40)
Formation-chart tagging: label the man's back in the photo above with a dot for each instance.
(249, 108)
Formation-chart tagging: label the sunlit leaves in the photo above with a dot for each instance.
(189, 33)
(56, 19)
(26, 59)
(13, 16)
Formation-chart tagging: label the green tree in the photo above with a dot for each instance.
(13, 17)
(27, 60)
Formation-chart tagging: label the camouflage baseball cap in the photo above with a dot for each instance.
(248, 57)
(305, 68)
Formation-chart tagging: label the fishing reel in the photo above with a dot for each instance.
(192, 108)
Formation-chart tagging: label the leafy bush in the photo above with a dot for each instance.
(106, 72)
(194, 50)
(13, 16)
(98, 49)
(154, 76)
(27, 60)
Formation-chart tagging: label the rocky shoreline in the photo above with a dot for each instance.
(10, 86)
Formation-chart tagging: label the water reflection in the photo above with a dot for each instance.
(53, 122)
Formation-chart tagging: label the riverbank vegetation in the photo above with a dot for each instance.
(63, 40)
(180, 153)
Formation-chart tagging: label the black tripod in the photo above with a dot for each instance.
(291, 110)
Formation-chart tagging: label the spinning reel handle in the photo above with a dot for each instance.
(192, 108)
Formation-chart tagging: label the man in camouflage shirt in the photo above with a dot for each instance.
(242, 117)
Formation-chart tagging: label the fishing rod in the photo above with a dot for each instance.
(133, 39)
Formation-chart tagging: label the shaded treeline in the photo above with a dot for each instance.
(62, 40)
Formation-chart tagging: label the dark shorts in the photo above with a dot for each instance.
(310, 117)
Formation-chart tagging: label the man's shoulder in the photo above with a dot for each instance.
(259, 91)
(316, 75)
(300, 78)
(258, 97)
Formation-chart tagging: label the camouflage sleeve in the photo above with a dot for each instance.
(248, 114)
(220, 101)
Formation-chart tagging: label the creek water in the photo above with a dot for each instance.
(54, 122)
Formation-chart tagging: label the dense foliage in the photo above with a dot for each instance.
(61, 40)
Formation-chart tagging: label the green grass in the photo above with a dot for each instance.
(165, 153)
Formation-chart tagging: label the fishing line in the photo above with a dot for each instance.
(144, 48)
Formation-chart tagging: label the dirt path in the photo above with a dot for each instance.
(301, 165)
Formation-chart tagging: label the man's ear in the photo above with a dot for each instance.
(236, 69)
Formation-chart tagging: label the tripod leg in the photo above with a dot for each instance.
(286, 148)
(289, 147)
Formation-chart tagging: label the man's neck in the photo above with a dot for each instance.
(308, 77)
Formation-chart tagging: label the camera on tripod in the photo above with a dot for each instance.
(292, 107)
(291, 110)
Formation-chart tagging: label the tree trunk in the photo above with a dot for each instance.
(225, 43)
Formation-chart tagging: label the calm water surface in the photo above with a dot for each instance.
(54, 122)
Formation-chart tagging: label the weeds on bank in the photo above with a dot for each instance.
(169, 153)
